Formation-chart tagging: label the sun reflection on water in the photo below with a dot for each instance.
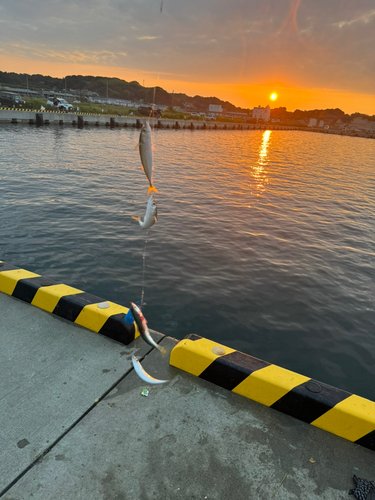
(259, 172)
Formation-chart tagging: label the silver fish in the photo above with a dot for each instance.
(145, 151)
(144, 375)
(151, 214)
(141, 323)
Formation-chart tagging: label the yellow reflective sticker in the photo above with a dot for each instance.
(351, 419)
(194, 356)
(136, 331)
(47, 297)
(269, 384)
(9, 279)
(93, 317)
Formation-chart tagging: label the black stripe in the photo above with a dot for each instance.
(70, 306)
(4, 266)
(27, 288)
(367, 441)
(115, 328)
(230, 370)
(310, 400)
(193, 336)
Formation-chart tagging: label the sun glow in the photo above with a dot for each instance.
(273, 96)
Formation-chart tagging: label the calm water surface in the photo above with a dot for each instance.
(264, 240)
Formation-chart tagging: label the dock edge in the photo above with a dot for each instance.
(334, 410)
(72, 304)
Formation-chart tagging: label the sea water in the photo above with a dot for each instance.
(264, 240)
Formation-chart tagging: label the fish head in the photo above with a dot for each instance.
(134, 309)
(145, 132)
(137, 313)
(153, 205)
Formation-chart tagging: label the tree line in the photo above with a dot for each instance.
(112, 87)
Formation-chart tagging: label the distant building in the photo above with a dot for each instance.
(260, 113)
(312, 122)
(236, 114)
(216, 109)
(321, 123)
(110, 100)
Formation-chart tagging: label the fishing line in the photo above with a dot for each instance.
(146, 238)
(151, 114)
(144, 270)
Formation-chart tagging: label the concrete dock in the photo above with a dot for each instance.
(74, 425)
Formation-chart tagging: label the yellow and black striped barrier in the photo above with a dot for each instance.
(77, 306)
(346, 415)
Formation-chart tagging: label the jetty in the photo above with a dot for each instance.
(78, 423)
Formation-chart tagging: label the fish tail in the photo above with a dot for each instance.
(136, 218)
(152, 188)
(162, 350)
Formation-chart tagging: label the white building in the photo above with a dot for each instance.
(260, 113)
(312, 122)
(216, 109)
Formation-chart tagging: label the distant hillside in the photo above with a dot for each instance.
(329, 116)
(117, 89)
(89, 86)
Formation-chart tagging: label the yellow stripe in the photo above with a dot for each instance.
(47, 297)
(269, 384)
(194, 356)
(351, 419)
(9, 279)
(136, 331)
(93, 317)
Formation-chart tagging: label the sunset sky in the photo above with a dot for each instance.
(312, 53)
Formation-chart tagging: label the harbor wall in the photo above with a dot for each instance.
(40, 118)
(81, 120)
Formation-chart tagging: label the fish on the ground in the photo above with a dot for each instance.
(141, 323)
(145, 151)
(144, 375)
(151, 214)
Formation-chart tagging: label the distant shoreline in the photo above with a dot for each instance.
(46, 118)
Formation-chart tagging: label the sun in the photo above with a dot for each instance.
(273, 96)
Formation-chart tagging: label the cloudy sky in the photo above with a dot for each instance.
(313, 53)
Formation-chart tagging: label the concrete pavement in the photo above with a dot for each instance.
(188, 439)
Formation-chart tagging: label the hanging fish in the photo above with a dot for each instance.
(144, 375)
(145, 151)
(143, 328)
(151, 214)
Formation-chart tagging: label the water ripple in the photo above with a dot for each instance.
(264, 240)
